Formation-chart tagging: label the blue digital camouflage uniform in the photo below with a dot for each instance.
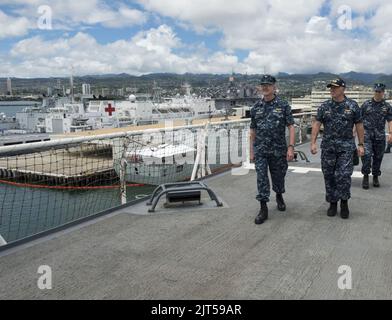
(374, 115)
(269, 120)
(338, 146)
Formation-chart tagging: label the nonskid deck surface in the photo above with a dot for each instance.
(204, 252)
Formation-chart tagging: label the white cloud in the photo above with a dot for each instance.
(147, 51)
(73, 14)
(13, 26)
(335, 53)
(160, 40)
(244, 24)
(291, 35)
(127, 16)
(318, 25)
(280, 35)
(381, 22)
(360, 7)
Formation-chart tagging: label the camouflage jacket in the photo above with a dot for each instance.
(338, 119)
(269, 120)
(374, 115)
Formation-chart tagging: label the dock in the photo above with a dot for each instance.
(77, 166)
(66, 166)
(209, 252)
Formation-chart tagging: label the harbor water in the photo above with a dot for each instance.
(27, 211)
(10, 108)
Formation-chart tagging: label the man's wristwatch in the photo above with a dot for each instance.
(360, 145)
(290, 145)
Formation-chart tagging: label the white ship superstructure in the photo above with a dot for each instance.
(318, 97)
(199, 107)
(66, 116)
(303, 104)
(134, 111)
(101, 114)
(32, 119)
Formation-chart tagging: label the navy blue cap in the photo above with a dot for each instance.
(267, 79)
(336, 83)
(379, 87)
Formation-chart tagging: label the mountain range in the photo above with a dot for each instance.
(168, 80)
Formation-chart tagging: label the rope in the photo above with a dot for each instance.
(38, 186)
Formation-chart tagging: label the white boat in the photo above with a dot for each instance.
(68, 116)
(163, 163)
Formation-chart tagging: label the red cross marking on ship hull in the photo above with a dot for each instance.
(110, 109)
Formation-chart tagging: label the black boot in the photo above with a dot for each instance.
(344, 212)
(263, 213)
(365, 182)
(376, 183)
(388, 149)
(333, 209)
(280, 202)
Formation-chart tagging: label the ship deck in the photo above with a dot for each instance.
(206, 252)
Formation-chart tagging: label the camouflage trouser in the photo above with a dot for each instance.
(278, 168)
(337, 168)
(374, 153)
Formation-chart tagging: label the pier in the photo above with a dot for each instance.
(65, 166)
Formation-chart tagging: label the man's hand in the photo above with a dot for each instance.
(361, 151)
(290, 154)
(252, 156)
(390, 138)
(313, 148)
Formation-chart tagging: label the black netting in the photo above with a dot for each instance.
(43, 187)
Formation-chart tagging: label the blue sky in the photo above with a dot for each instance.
(217, 36)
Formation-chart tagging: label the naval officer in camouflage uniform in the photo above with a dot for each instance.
(338, 115)
(375, 113)
(269, 118)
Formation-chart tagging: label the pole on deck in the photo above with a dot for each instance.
(2, 241)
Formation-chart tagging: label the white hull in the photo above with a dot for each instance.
(157, 174)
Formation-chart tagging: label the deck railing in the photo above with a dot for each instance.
(48, 185)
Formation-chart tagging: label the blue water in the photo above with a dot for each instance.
(10, 108)
(27, 211)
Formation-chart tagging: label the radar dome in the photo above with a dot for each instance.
(132, 98)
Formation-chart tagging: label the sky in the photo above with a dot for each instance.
(49, 38)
